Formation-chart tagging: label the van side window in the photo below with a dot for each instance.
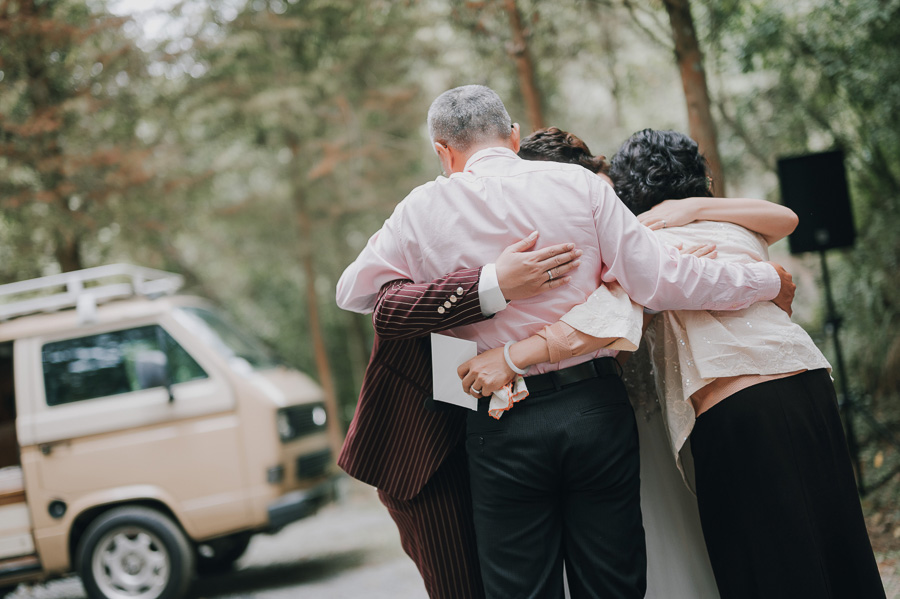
(104, 364)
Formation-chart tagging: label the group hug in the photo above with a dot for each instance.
(649, 423)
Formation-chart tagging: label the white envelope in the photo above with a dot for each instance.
(447, 353)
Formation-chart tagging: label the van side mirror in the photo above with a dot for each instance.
(152, 369)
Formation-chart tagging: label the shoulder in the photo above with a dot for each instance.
(577, 179)
(418, 199)
(561, 170)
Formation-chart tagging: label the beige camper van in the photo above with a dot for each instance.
(142, 437)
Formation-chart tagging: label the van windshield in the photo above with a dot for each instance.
(242, 351)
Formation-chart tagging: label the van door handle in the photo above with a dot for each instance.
(47, 448)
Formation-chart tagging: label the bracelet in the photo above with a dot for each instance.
(509, 361)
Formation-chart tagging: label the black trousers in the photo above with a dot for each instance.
(555, 480)
(778, 502)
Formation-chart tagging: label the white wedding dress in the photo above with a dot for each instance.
(677, 562)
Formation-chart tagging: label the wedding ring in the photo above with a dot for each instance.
(550, 275)
(478, 391)
(664, 224)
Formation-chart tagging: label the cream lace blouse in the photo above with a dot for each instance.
(691, 348)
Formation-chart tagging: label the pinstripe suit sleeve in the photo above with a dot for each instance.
(404, 310)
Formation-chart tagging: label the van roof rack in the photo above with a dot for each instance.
(84, 289)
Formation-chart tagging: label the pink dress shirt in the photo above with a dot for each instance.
(467, 219)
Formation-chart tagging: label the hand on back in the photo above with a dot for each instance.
(524, 273)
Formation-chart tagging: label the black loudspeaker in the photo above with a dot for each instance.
(815, 187)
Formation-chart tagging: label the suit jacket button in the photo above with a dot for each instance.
(441, 310)
(459, 291)
(453, 298)
(447, 304)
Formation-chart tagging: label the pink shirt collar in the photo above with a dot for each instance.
(489, 153)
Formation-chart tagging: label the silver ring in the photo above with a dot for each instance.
(550, 274)
(664, 224)
(478, 391)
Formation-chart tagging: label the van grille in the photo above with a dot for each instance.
(314, 465)
(296, 422)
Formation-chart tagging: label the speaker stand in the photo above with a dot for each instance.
(832, 324)
(848, 404)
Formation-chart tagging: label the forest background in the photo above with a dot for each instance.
(254, 145)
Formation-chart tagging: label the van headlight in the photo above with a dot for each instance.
(294, 422)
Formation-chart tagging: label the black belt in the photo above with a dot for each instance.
(551, 381)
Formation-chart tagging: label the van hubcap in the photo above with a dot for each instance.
(131, 563)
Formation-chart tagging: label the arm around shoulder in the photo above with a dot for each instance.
(404, 309)
(772, 221)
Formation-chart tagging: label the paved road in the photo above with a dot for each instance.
(347, 551)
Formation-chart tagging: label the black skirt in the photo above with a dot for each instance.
(777, 498)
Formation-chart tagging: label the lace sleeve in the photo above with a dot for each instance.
(609, 312)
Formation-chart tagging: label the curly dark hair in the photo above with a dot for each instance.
(652, 166)
(555, 145)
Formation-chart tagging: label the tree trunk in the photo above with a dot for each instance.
(696, 92)
(611, 59)
(68, 253)
(323, 367)
(525, 67)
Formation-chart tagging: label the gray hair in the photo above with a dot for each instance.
(465, 115)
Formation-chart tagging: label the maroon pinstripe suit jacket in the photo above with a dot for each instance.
(393, 442)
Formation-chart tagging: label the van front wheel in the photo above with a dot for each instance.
(134, 553)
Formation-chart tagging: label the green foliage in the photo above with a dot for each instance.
(824, 74)
(69, 104)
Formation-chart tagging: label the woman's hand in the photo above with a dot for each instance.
(704, 250)
(485, 373)
(670, 213)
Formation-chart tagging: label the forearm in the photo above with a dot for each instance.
(404, 309)
(770, 220)
(663, 279)
(566, 340)
(529, 352)
(660, 278)
(490, 370)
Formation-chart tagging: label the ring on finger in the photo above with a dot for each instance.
(664, 224)
(550, 275)
(474, 390)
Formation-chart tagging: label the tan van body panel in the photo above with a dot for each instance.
(207, 457)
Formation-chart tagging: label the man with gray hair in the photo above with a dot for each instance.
(556, 479)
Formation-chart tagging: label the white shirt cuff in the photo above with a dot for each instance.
(489, 295)
(771, 283)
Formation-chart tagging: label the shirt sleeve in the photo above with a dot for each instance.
(608, 312)
(659, 277)
(489, 294)
(564, 341)
(381, 261)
